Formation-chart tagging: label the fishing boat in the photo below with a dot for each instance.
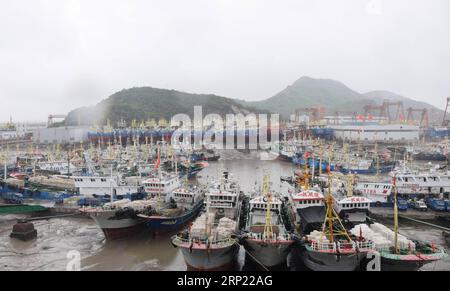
(173, 205)
(397, 252)
(58, 167)
(305, 204)
(177, 209)
(266, 238)
(421, 183)
(118, 219)
(351, 209)
(209, 244)
(332, 248)
(367, 167)
(206, 156)
(432, 155)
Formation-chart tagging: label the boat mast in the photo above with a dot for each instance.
(110, 185)
(160, 177)
(350, 181)
(395, 216)
(68, 161)
(6, 162)
(320, 158)
(208, 202)
(377, 158)
(331, 216)
(268, 229)
(313, 170)
(306, 176)
(6, 165)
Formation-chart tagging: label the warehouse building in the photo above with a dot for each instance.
(377, 132)
(62, 135)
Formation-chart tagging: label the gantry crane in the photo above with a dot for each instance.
(384, 110)
(446, 122)
(316, 113)
(424, 118)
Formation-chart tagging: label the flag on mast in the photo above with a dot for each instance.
(158, 163)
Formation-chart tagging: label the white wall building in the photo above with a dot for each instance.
(18, 130)
(376, 132)
(65, 134)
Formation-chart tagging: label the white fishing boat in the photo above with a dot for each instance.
(266, 238)
(209, 244)
(433, 183)
(332, 248)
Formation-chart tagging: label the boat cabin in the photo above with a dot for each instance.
(163, 186)
(377, 192)
(308, 198)
(353, 209)
(258, 210)
(185, 196)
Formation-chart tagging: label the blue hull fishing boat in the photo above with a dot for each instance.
(158, 224)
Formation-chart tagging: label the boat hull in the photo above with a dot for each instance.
(159, 224)
(321, 261)
(199, 258)
(116, 228)
(270, 254)
(410, 264)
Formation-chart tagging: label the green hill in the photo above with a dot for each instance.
(334, 97)
(151, 103)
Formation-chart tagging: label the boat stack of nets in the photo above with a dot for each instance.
(138, 205)
(319, 238)
(225, 228)
(382, 236)
(116, 204)
(71, 202)
(53, 181)
(200, 227)
(15, 182)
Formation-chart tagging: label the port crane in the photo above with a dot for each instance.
(316, 113)
(384, 110)
(446, 122)
(424, 119)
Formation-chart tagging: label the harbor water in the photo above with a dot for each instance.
(59, 239)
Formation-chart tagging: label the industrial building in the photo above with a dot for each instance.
(376, 132)
(65, 134)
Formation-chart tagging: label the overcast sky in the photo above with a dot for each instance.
(56, 55)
